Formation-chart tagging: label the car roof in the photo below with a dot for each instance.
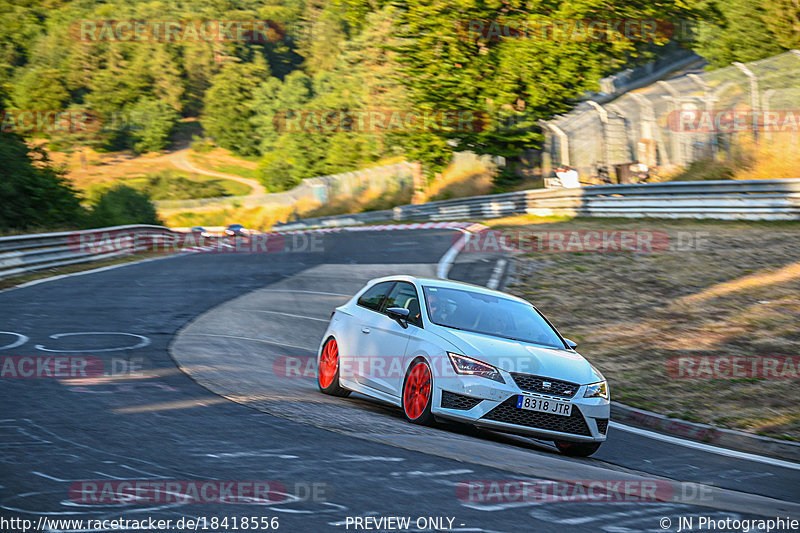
(446, 283)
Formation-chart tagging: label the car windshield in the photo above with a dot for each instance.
(489, 315)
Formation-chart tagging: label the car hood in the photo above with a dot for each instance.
(515, 356)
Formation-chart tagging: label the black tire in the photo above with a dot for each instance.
(425, 418)
(577, 449)
(333, 388)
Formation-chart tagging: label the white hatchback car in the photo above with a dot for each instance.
(444, 349)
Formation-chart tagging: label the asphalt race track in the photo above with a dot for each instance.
(208, 402)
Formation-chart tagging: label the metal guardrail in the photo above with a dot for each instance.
(728, 199)
(20, 254)
(723, 199)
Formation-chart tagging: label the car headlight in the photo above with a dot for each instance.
(597, 390)
(468, 366)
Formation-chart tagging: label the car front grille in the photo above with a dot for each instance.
(602, 425)
(531, 383)
(509, 413)
(451, 400)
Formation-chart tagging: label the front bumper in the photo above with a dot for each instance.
(492, 405)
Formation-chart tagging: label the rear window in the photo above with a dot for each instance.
(373, 298)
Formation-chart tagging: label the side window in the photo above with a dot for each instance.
(373, 298)
(405, 295)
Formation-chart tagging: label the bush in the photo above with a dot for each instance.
(34, 194)
(201, 145)
(152, 121)
(275, 173)
(164, 185)
(123, 205)
(168, 185)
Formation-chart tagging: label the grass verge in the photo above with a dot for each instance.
(71, 269)
(721, 289)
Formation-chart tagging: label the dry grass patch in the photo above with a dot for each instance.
(737, 293)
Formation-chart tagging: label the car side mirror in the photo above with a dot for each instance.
(400, 314)
(572, 344)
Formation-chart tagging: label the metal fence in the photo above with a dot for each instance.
(674, 59)
(723, 199)
(313, 190)
(672, 123)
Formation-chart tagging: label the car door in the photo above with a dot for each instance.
(384, 341)
(351, 355)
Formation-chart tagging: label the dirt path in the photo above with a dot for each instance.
(180, 159)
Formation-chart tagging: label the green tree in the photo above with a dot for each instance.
(275, 172)
(41, 89)
(783, 21)
(151, 122)
(34, 193)
(514, 81)
(743, 30)
(274, 102)
(123, 205)
(228, 111)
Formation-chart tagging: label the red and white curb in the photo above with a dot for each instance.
(469, 226)
(222, 246)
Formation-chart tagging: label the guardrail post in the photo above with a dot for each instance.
(603, 114)
(709, 98)
(753, 95)
(649, 127)
(765, 98)
(677, 147)
(563, 141)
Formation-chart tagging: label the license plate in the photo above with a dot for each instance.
(544, 405)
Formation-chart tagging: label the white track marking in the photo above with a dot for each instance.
(707, 447)
(417, 473)
(497, 274)
(275, 342)
(145, 341)
(358, 458)
(236, 455)
(21, 339)
(286, 314)
(446, 262)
